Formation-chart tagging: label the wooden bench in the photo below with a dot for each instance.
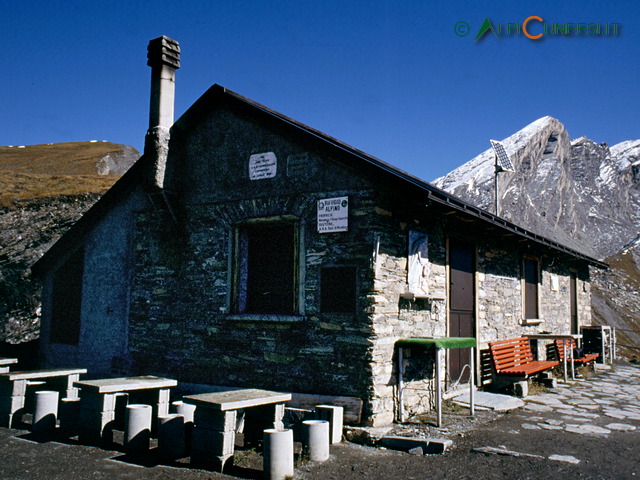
(571, 344)
(513, 357)
(13, 389)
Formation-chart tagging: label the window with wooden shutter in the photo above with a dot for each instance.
(531, 277)
(66, 303)
(267, 268)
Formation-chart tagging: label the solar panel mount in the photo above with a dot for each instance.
(503, 163)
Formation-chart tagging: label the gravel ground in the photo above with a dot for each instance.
(600, 456)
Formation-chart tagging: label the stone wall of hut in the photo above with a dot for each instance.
(175, 309)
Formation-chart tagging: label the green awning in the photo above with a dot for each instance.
(442, 342)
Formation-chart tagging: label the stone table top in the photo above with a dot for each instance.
(237, 399)
(125, 384)
(39, 374)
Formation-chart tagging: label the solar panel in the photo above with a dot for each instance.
(502, 159)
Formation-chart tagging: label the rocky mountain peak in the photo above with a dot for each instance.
(545, 137)
(580, 193)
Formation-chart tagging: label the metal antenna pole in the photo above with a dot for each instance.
(503, 164)
(495, 188)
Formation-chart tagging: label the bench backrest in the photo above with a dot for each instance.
(510, 353)
(571, 344)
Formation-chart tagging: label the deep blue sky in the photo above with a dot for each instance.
(390, 78)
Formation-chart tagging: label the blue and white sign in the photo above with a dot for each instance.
(333, 215)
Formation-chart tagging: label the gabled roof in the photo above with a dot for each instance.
(218, 96)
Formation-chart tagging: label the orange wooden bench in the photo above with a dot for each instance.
(571, 343)
(514, 357)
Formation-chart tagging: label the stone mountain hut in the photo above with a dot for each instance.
(246, 249)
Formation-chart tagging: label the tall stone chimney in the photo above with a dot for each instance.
(164, 59)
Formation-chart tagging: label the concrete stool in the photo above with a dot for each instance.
(334, 415)
(46, 411)
(69, 416)
(171, 443)
(31, 387)
(278, 454)
(187, 411)
(316, 439)
(137, 430)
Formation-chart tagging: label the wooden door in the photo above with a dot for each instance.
(462, 260)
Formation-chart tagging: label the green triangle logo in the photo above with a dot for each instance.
(484, 28)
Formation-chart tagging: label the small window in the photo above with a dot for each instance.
(267, 268)
(66, 301)
(338, 290)
(531, 278)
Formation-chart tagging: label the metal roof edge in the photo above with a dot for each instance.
(434, 192)
(462, 206)
(128, 180)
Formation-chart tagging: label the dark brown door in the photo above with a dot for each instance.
(573, 294)
(461, 303)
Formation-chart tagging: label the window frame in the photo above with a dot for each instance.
(353, 301)
(66, 308)
(239, 309)
(524, 281)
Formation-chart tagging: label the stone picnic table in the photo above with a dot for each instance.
(5, 363)
(13, 388)
(216, 417)
(98, 402)
(558, 336)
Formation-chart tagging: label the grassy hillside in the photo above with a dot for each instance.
(50, 170)
(44, 189)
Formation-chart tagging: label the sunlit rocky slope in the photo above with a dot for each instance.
(43, 190)
(578, 192)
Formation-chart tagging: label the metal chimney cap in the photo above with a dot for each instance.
(163, 51)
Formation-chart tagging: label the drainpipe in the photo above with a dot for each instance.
(164, 59)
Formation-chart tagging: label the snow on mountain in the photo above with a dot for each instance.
(480, 170)
(629, 151)
(580, 193)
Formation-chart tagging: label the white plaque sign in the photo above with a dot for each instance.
(419, 267)
(262, 165)
(333, 215)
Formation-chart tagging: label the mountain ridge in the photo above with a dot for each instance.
(44, 189)
(583, 194)
(53, 169)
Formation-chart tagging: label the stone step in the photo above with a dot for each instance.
(429, 446)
